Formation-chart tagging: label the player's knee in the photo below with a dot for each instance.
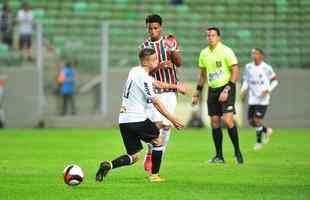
(229, 122)
(157, 142)
(135, 157)
(215, 123)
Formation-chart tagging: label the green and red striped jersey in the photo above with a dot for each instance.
(163, 53)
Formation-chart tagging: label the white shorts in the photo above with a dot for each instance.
(169, 100)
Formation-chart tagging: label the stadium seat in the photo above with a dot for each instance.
(39, 14)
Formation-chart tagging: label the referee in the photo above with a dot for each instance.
(218, 63)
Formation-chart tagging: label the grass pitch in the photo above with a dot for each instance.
(32, 161)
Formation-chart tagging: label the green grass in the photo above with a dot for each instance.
(31, 164)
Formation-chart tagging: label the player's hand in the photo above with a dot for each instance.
(183, 89)
(171, 42)
(166, 64)
(265, 93)
(223, 96)
(178, 124)
(195, 99)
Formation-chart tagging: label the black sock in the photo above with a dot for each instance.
(157, 153)
(122, 161)
(264, 129)
(233, 134)
(218, 140)
(259, 133)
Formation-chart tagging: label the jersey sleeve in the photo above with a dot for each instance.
(271, 74)
(202, 60)
(230, 58)
(145, 83)
(245, 79)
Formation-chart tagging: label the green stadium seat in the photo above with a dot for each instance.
(121, 1)
(80, 7)
(39, 14)
(182, 8)
(15, 5)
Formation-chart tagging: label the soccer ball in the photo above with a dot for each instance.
(73, 175)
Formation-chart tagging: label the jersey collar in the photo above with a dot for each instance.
(217, 46)
(149, 39)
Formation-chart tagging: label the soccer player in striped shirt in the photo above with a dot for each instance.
(259, 80)
(168, 57)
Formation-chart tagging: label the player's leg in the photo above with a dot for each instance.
(252, 122)
(150, 134)
(169, 100)
(157, 153)
(261, 130)
(133, 147)
(233, 135)
(217, 136)
(155, 117)
(251, 112)
(215, 113)
(228, 110)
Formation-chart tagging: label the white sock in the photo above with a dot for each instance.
(165, 136)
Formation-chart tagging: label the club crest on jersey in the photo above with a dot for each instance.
(218, 63)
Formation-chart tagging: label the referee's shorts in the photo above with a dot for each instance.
(216, 108)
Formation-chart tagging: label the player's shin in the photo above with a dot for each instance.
(233, 134)
(122, 161)
(218, 140)
(259, 133)
(156, 158)
(165, 137)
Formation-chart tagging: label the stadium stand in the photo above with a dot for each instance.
(245, 24)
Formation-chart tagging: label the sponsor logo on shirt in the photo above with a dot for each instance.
(147, 90)
(230, 108)
(215, 75)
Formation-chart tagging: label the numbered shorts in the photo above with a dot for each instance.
(135, 132)
(169, 100)
(216, 108)
(258, 111)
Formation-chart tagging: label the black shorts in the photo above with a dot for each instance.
(24, 41)
(133, 133)
(215, 108)
(258, 111)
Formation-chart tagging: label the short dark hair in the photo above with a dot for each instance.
(146, 52)
(216, 29)
(153, 18)
(259, 50)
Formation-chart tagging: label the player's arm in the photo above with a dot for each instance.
(174, 49)
(176, 58)
(181, 87)
(232, 61)
(202, 77)
(245, 86)
(274, 82)
(160, 107)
